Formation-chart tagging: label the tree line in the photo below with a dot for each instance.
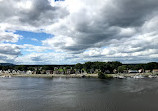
(115, 65)
(105, 67)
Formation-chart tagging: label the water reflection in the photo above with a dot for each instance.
(70, 94)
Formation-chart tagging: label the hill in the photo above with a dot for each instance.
(6, 64)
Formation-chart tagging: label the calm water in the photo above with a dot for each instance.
(61, 94)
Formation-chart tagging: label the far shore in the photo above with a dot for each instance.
(53, 75)
(74, 75)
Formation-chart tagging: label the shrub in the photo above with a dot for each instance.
(104, 76)
(101, 75)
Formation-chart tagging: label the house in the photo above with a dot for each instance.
(78, 71)
(49, 71)
(1, 72)
(6, 72)
(18, 72)
(132, 71)
(115, 71)
(62, 72)
(23, 72)
(56, 72)
(43, 72)
(84, 72)
(34, 72)
(29, 72)
(91, 71)
(107, 72)
(155, 71)
(141, 70)
(125, 71)
(9, 71)
(68, 71)
(147, 71)
(55, 68)
(14, 72)
(97, 70)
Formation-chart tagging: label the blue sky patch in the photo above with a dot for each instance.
(32, 37)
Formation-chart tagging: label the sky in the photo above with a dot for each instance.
(77, 31)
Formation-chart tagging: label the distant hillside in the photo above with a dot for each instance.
(6, 64)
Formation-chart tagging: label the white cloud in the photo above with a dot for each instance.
(82, 30)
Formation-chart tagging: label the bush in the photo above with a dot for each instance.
(101, 75)
(104, 76)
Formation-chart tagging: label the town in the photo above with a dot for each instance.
(114, 69)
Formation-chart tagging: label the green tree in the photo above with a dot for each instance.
(101, 75)
(151, 66)
(79, 66)
(122, 68)
(87, 66)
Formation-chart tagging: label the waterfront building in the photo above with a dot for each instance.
(133, 71)
(155, 71)
(147, 71)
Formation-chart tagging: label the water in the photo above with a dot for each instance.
(74, 94)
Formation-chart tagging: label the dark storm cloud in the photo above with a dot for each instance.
(98, 30)
(130, 13)
(42, 13)
(90, 30)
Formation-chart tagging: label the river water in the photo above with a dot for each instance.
(75, 94)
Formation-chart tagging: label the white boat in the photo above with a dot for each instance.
(121, 77)
(152, 76)
(2, 76)
(138, 77)
(5, 76)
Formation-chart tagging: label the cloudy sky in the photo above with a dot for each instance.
(72, 31)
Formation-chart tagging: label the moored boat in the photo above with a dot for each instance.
(152, 76)
(138, 77)
(121, 77)
(2, 76)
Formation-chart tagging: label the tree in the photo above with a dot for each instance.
(87, 66)
(48, 67)
(79, 66)
(101, 75)
(115, 64)
(103, 67)
(122, 68)
(151, 66)
(1, 67)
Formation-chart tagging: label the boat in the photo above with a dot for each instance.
(152, 76)
(121, 77)
(9, 76)
(2, 76)
(138, 77)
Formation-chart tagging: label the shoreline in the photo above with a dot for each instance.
(74, 75)
(52, 75)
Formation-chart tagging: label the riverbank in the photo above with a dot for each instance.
(129, 75)
(53, 75)
(75, 75)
